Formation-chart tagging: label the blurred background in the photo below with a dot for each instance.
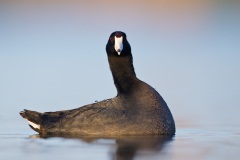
(52, 56)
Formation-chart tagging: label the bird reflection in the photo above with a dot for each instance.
(126, 147)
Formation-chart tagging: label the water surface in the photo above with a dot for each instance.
(188, 143)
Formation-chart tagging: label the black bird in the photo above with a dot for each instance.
(138, 109)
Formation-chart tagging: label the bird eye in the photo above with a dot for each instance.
(111, 39)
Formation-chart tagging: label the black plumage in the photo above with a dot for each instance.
(138, 109)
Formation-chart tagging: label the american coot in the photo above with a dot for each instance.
(138, 109)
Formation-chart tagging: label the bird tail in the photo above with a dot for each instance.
(33, 119)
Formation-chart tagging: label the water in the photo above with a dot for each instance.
(188, 143)
(52, 57)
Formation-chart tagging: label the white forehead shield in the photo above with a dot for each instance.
(118, 44)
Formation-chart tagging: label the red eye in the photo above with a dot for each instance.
(111, 39)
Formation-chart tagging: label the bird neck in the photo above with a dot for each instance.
(123, 73)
